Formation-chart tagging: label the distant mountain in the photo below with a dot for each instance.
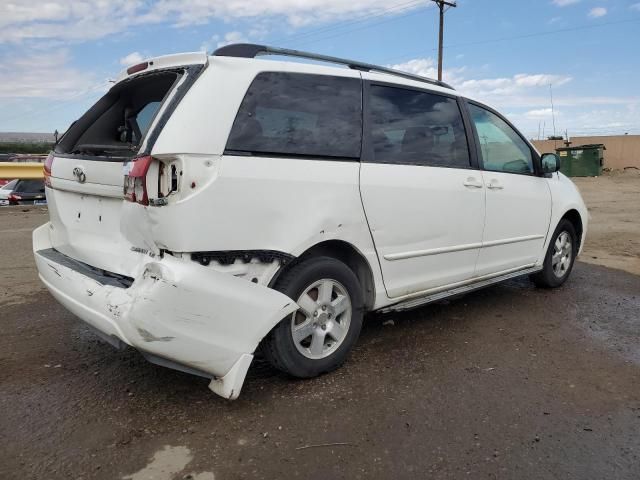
(26, 137)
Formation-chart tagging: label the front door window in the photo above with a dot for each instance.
(503, 150)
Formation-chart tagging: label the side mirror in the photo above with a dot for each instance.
(550, 162)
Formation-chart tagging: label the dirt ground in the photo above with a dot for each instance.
(510, 382)
(613, 239)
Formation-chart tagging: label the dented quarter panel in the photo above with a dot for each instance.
(258, 203)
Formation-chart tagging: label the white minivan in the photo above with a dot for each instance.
(209, 207)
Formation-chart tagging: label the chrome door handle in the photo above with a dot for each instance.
(473, 183)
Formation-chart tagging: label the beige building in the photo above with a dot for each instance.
(621, 150)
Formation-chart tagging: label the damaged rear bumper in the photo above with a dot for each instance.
(177, 313)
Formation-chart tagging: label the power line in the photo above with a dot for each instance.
(400, 7)
(518, 37)
(349, 31)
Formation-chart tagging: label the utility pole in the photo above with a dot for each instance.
(442, 4)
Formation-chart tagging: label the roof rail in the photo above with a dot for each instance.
(250, 50)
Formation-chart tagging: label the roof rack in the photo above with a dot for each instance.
(250, 50)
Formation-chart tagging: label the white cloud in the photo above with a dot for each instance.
(526, 97)
(38, 86)
(296, 12)
(597, 12)
(43, 75)
(541, 113)
(233, 37)
(209, 44)
(483, 87)
(12, 13)
(540, 80)
(515, 85)
(427, 67)
(65, 20)
(131, 59)
(564, 3)
(215, 41)
(91, 19)
(419, 66)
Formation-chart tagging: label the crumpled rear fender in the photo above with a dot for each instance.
(177, 312)
(180, 308)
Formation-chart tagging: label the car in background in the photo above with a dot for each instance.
(5, 191)
(28, 192)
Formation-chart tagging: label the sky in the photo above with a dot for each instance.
(57, 56)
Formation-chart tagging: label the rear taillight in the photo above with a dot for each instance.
(135, 182)
(13, 198)
(48, 165)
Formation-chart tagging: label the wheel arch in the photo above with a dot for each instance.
(575, 218)
(347, 254)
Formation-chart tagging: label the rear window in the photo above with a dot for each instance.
(30, 186)
(10, 185)
(119, 121)
(300, 114)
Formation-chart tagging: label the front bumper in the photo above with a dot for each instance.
(177, 313)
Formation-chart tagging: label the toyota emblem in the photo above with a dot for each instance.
(78, 172)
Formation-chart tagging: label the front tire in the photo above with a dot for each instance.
(560, 257)
(318, 337)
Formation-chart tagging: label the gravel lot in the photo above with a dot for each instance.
(509, 382)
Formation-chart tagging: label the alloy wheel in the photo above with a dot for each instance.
(321, 324)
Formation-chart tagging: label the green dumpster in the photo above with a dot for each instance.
(581, 161)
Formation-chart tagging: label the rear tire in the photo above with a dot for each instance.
(560, 257)
(318, 337)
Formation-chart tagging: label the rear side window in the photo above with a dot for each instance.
(145, 115)
(300, 114)
(417, 128)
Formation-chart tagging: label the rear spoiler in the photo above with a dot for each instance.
(164, 62)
